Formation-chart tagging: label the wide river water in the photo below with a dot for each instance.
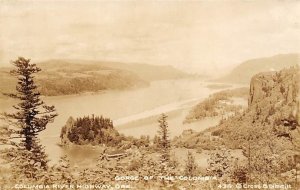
(134, 112)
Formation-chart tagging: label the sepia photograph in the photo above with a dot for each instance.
(149, 94)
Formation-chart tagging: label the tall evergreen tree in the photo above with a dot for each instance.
(164, 143)
(31, 117)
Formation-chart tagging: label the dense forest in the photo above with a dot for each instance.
(86, 130)
(95, 130)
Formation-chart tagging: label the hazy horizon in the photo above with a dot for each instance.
(195, 36)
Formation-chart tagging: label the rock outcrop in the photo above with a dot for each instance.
(273, 106)
(259, 87)
(279, 89)
(273, 109)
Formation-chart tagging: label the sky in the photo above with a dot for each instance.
(197, 36)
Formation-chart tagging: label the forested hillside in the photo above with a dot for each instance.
(145, 71)
(62, 77)
(68, 79)
(267, 131)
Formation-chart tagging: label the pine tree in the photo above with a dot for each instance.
(164, 147)
(164, 143)
(31, 117)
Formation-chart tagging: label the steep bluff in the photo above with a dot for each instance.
(273, 111)
(273, 106)
(276, 90)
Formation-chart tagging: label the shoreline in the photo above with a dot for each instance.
(146, 125)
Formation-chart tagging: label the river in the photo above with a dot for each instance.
(134, 112)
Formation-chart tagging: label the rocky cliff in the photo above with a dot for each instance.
(275, 90)
(267, 132)
(273, 106)
(273, 110)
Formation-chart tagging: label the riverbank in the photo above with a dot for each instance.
(134, 112)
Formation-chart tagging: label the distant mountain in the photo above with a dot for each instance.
(243, 72)
(144, 71)
(63, 77)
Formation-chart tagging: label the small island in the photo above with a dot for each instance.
(97, 130)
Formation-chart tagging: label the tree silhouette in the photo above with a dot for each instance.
(31, 117)
(164, 143)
